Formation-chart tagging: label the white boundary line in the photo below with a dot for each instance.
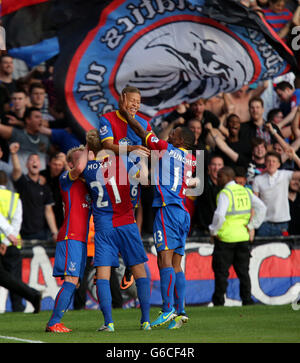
(20, 340)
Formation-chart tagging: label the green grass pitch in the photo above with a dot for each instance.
(249, 324)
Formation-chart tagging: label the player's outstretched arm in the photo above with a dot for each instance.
(17, 170)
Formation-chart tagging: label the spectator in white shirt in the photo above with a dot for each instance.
(272, 188)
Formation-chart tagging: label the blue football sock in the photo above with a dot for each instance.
(143, 292)
(105, 299)
(62, 302)
(167, 282)
(179, 292)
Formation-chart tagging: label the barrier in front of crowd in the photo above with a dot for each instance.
(274, 272)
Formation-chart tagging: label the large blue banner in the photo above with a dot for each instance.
(173, 51)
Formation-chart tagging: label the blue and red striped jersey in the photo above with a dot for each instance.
(77, 206)
(174, 167)
(278, 20)
(113, 126)
(110, 188)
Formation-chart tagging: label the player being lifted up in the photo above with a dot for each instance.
(172, 220)
(115, 228)
(115, 133)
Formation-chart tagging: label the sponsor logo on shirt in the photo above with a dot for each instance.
(154, 139)
(125, 141)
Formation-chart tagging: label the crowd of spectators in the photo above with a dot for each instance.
(34, 139)
(244, 129)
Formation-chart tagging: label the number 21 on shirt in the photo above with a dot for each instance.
(104, 203)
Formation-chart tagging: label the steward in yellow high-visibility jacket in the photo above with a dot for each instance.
(234, 228)
(231, 230)
(10, 217)
(11, 268)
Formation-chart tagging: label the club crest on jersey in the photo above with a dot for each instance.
(72, 266)
(125, 141)
(103, 130)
